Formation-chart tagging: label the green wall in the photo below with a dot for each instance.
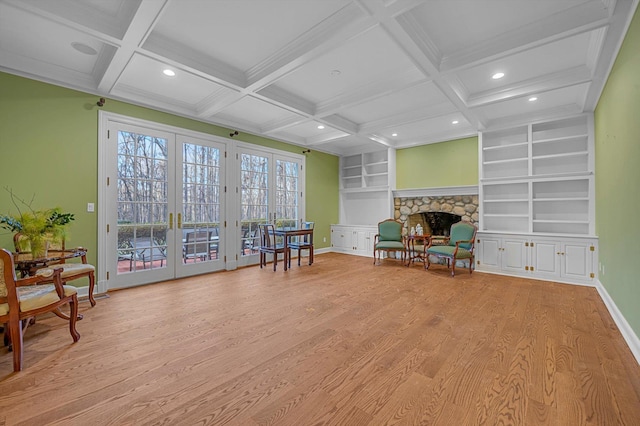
(617, 140)
(49, 140)
(452, 163)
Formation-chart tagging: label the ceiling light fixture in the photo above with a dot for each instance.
(497, 75)
(394, 134)
(533, 98)
(321, 127)
(169, 73)
(336, 73)
(455, 122)
(84, 48)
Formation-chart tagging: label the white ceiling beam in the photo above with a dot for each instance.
(565, 78)
(568, 23)
(139, 29)
(346, 23)
(422, 52)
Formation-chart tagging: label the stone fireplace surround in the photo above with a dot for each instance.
(461, 201)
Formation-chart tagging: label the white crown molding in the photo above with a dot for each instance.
(436, 191)
(625, 329)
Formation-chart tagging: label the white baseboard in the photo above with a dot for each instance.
(627, 332)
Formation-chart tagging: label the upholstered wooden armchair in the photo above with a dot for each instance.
(70, 270)
(389, 238)
(22, 299)
(458, 245)
(268, 245)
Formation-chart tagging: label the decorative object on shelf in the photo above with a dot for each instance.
(38, 227)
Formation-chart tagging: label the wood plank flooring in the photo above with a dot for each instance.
(341, 342)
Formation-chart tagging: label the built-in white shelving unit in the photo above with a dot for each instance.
(366, 184)
(537, 181)
(538, 178)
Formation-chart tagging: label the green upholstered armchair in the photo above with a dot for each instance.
(389, 238)
(458, 245)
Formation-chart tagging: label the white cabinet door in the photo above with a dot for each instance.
(576, 260)
(341, 238)
(514, 254)
(545, 259)
(489, 253)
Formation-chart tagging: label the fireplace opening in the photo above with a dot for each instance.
(433, 223)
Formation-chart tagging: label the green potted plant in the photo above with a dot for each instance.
(37, 227)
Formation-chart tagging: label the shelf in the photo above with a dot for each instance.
(507, 200)
(561, 139)
(505, 215)
(566, 154)
(577, 222)
(500, 147)
(352, 177)
(351, 167)
(378, 163)
(510, 160)
(560, 199)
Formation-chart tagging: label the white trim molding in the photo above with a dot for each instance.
(436, 191)
(627, 332)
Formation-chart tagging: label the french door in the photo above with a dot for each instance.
(270, 188)
(165, 205)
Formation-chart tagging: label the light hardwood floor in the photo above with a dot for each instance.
(341, 342)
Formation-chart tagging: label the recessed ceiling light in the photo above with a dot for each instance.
(336, 73)
(455, 122)
(168, 72)
(497, 75)
(533, 98)
(84, 48)
(321, 127)
(394, 134)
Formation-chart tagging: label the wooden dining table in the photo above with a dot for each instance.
(27, 265)
(287, 233)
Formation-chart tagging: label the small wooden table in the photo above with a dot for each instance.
(410, 248)
(287, 233)
(27, 265)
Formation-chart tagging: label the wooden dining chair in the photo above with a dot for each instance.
(70, 270)
(304, 242)
(268, 245)
(23, 299)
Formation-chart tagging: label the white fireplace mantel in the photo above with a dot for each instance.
(442, 191)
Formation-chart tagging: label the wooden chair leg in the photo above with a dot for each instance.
(453, 266)
(16, 343)
(73, 308)
(92, 283)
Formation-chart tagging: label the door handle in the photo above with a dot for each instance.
(179, 220)
(170, 220)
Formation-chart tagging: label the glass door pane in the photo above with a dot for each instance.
(200, 221)
(286, 190)
(142, 205)
(254, 202)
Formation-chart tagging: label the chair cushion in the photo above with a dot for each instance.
(461, 231)
(36, 296)
(390, 231)
(70, 269)
(389, 245)
(448, 252)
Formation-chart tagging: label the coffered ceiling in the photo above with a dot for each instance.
(372, 73)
